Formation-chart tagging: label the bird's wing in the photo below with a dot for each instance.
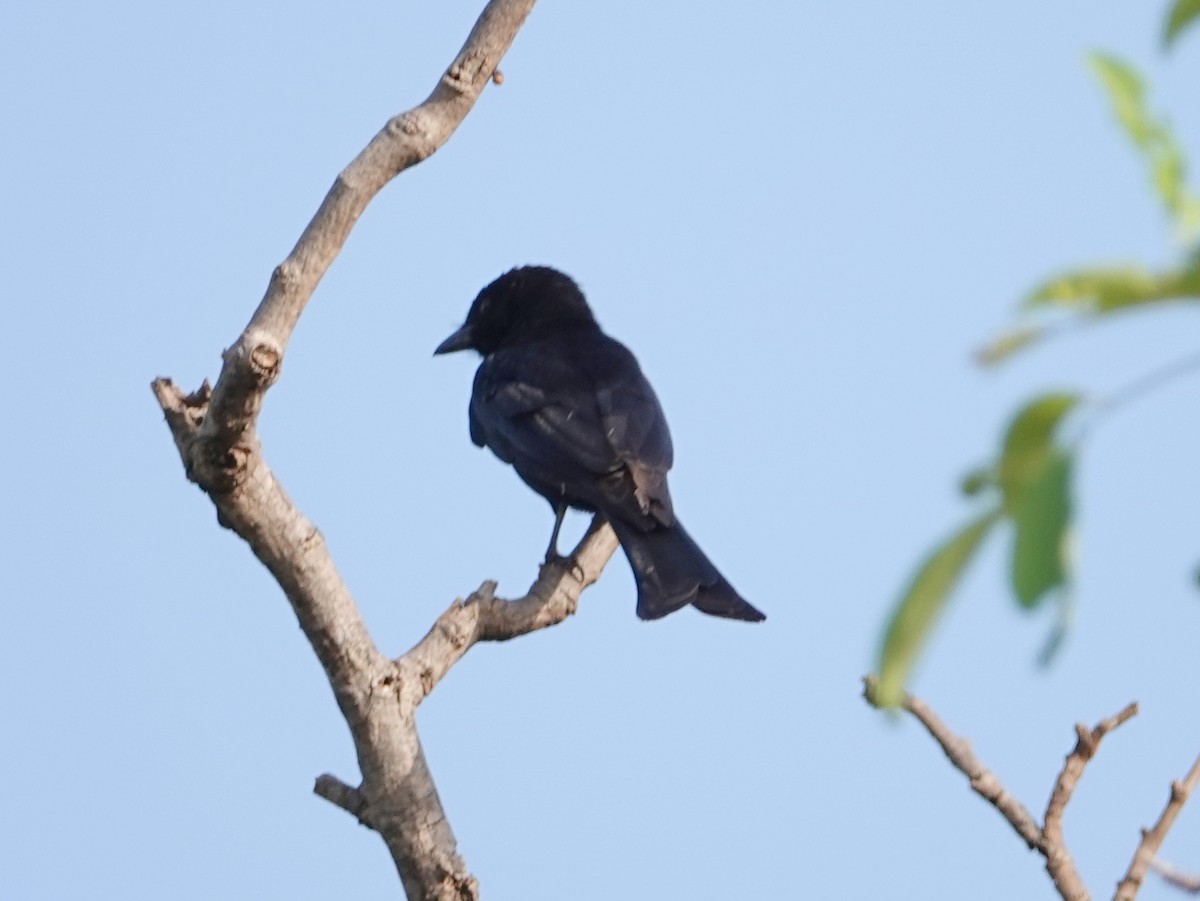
(537, 410)
(577, 414)
(634, 423)
(635, 427)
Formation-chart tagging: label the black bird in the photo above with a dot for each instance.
(569, 408)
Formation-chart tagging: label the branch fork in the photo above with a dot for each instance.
(214, 429)
(1048, 838)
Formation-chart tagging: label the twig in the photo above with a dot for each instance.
(1058, 860)
(1047, 839)
(959, 751)
(484, 617)
(1186, 882)
(1146, 383)
(1152, 839)
(347, 797)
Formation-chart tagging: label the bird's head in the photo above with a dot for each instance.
(522, 305)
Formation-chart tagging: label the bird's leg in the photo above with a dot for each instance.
(553, 557)
(560, 512)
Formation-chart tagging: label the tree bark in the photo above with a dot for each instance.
(215, 432)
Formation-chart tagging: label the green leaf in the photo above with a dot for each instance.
(1043, 522)
(1058, 633)
(1007, 345)
(1099, 291)
(1181, 16)
(977, 481)
(1168, 167)
(920, 605)
(1028, 445)
(1168, 170)
(1189, 218)
(1126, 93)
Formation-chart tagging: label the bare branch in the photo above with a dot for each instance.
(404, 141)
(484, 617)
(1058, 860)
(958, 750)
(1186, 882)
(215, 433)
(347, 797)
(1047, 839)
(1152, 839)
(254, 362)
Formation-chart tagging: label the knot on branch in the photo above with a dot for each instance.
(453, 630)
(285, 276)
(217, 468)
(462, 886)
(466, 73)
(1179, 794)
(217, 455)
(209, 463)
(256, 360)
(265, 360)
(406, 125)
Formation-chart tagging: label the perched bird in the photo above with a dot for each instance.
(568, 407)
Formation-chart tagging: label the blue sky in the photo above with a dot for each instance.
(802, 218)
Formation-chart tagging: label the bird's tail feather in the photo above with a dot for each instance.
(671, 572)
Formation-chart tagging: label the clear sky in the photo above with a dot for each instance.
(803, 218)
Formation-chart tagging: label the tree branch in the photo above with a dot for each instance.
(1152, 839)
(1185, 882)
(1058, 859)
(1047, 839)
(347, 797)
(958, 750)
(483, 617)
(215, 433)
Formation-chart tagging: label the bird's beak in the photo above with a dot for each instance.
(463, 339)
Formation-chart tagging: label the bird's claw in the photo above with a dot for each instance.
(569, 564)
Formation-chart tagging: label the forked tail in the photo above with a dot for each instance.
(672, 572)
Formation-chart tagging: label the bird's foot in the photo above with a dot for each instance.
(557, 561)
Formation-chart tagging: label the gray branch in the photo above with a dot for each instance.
(215, 432)
(959, 752)
(1152, 839)
(1188, 883)
(1048, 837)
